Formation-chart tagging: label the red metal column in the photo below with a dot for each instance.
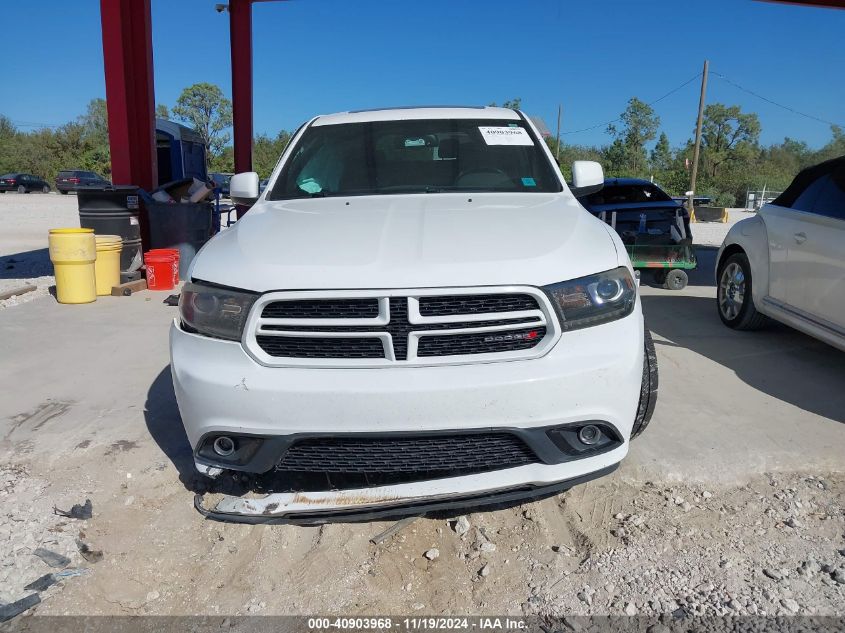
(240, 24)
(130, 100)
(128, 62)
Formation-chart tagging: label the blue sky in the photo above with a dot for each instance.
(320, 56)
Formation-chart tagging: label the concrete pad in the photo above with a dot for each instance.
(91, 375)
(734, 404)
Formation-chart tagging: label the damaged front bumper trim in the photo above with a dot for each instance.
(370, 504)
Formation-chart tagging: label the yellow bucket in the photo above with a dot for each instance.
(107, 266)
(73, 252)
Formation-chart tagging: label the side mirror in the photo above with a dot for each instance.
(587, 177)
(243, 188)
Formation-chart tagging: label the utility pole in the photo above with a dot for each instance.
(697, 140)
(557, 146)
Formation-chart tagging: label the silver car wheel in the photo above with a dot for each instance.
(731, 291)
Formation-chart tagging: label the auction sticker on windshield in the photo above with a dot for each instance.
(505, 135)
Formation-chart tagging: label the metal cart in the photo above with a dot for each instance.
(658, 243)
(670, 262)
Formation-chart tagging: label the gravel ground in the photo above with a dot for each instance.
(713, 233)
(775, 546)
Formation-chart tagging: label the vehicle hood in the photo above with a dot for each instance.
(408, 241)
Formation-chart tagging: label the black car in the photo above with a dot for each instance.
(72, 179)
(23, 183)
(625, 202)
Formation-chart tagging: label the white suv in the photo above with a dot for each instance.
(788, 261)
(415, 313)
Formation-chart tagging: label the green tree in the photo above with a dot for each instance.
(7, 128)
(266, 151)
(836, 146)
(728, 136)
(661, 155)
(639, 126)
(513, 104)
(96, 120)
(615, 159)
(224, 162)
(204, 106)
(162, 112)
(89, 141)
(8, 144)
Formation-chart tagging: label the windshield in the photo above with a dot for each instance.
(417, 156)
(628, 194)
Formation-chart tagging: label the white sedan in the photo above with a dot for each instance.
(788, 262)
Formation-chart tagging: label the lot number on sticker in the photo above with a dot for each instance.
(505, 135)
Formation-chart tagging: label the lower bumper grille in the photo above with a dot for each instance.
(346, 462)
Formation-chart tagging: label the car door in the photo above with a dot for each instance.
(818, 252)
(781, 223)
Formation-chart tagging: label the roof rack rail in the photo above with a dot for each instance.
(422, 107)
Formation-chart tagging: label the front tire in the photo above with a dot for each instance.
(21, 189)
(45, 189)
(676, 279)
(648, 387)
(734, 298)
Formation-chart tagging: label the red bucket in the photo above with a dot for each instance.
(159, 270)
(175, 253)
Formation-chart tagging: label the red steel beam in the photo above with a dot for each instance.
(130, 98)
(240, 25)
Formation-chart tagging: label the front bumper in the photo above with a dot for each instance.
(378, 504)
(590, 374)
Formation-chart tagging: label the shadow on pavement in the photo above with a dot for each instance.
(165, 426)
(26, 265)
(778, 361)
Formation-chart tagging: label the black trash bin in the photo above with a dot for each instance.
(186, 226)
(114, 210)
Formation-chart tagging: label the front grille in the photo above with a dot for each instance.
(379, 461)
(335, 347)
(384, 327)
(480, 342)
(322, 309)
(476, 304)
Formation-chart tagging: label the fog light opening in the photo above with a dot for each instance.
(224, 446)
(589, 434)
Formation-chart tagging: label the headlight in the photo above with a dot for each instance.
(215, 312)
(593, 300)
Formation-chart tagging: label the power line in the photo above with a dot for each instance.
(617, 120)
(774, 103)
(33, 124)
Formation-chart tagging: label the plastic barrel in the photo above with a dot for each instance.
(182, 226)
(159, 270)
(107, 266)
(175, 253)
(114, 210)
(73, 253)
